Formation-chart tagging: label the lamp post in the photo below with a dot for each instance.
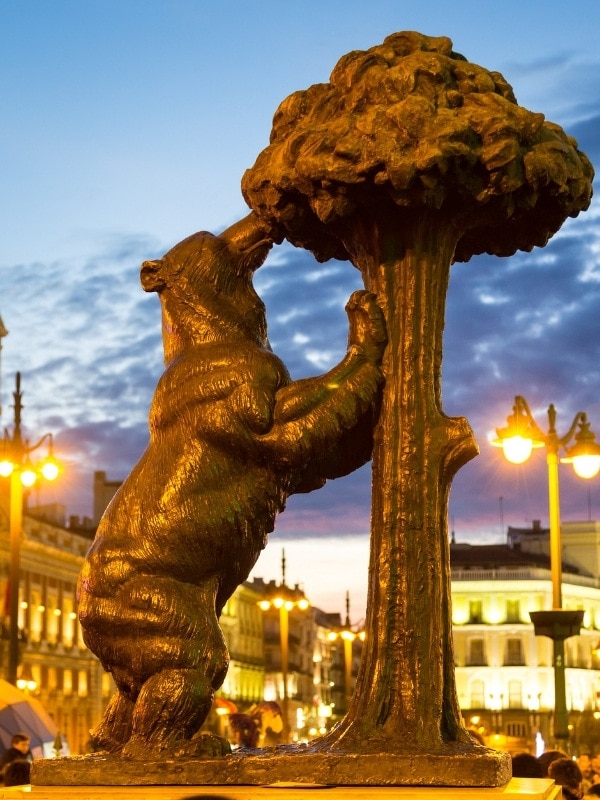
(3, 333)
(285, 599)
(347, 635)
(16, 465)
(521, 435)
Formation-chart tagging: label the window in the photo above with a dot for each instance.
(516, 729)
(514, 653)
(477, 694)
(475, 612)
(513, 611)
(82, 683)
(515, 694)
(477, 653)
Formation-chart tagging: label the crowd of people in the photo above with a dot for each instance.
(579, 777)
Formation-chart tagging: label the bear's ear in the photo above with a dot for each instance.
(151, 277)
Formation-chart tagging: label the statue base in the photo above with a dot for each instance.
(270, 766)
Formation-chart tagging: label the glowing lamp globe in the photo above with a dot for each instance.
(50, 470)
(6, 468)
(520, 435)
(586, 466)
(517, 449)
(585, 453)
(28, 476)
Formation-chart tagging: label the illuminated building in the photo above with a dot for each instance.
(242, 626)
(54, 664)
(504, 673)
(288, 632)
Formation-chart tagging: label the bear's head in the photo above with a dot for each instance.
(205, 286)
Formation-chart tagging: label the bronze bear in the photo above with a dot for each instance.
(231, 437)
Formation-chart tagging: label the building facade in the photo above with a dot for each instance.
(242, 626)
(55, 666)
(504, 673)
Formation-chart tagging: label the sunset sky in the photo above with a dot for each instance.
(128, 125)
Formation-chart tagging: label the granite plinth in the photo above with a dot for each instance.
(472, 769)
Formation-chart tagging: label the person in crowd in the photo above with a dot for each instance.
(566, 773)
(19, 750)
(17, 773)
(525, 765)
(548, 757)
(584, 762)
(593, 791)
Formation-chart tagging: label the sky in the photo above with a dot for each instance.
(127, 126)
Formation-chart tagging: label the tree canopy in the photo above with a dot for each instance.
(410, 124)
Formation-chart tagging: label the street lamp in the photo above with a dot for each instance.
(16, 465)
(285, 599)
(3, 333)
(347, 635)
(26, 682)
(520, 436)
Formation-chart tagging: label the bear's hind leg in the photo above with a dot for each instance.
(170, 709)
(115, 727)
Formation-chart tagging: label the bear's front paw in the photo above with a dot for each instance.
(367, 324)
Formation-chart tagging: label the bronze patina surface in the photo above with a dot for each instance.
(231, 437)
(295, 764)
(409, 159)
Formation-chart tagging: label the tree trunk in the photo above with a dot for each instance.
(405, 698)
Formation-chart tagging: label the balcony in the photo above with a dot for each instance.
(521, 574)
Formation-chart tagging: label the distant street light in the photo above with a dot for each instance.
(521, 435)
(16, 465)
(347, 635)
(285, 599)
(3, 333)
(26, 682)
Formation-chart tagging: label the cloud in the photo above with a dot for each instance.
(305, 308)
(542, 341)
(525, 325)
(586, 130)
(565, 85)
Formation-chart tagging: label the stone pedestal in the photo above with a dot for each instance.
(299, 765)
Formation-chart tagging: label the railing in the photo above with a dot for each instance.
(254, 661)
(530, 574)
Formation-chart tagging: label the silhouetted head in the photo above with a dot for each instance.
(548, 756)
(526, 765)
(566, 773)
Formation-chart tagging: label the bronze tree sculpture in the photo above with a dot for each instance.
(411, 158)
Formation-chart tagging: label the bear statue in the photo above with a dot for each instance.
(231, 437)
